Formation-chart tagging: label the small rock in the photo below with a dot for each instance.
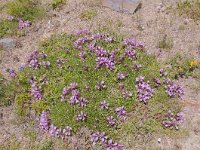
(128, 6)
(140, 27)
(36, 28)
(159, 140)
(161, 8)
(49, 24)
(186, 21)
(57, 24)
(8, 42)
(169, 66)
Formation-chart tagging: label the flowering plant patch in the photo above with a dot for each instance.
(94, 80)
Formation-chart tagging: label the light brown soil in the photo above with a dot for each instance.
(147, 25)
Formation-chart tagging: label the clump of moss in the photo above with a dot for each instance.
(189, 8)
(165, 42)
(57, 3)
(10, 28)
(6, 91)
(25, 9)
(88, 14)
(95, 81)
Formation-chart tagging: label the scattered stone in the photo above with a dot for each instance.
(8, 43)
(159, 140)
(56, 24)
(127, 6)
(50, 24)
(161, 8)
(186, 21)
(140, 27)
(169, 66)
(37, 28)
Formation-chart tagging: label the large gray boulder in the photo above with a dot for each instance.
(8, 42)
(128, 6)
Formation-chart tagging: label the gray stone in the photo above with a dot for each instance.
(8, 42)
(128, 6)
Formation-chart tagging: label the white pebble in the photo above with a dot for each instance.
(159, 140)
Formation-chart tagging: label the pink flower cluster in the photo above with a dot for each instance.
(136, 66)
(82, 32)
(173, 89)
(163, 73)
(80, 42)
(60, 62)
(87, 39)
(104, 37)
(133, 43)
(23, 24)
(144, 90)
(103, 58)
(44, 122)
(12, 73)
(82, 116)
(100, 86)
(121, 113)
(110, 120)
(10, 18)
(104, 105)
(125, 94)
(157, 82)
(108, 62)
(172, 121)
(35, 89)
(82, 55)
(122, 76)
(35, 58)
(75, 95)
(53, 130)
(131, 54)
(103, 139)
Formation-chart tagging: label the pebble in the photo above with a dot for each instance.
(160, 8)
(186, 21)
(159, 140)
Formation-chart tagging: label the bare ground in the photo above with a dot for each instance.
(147, 25)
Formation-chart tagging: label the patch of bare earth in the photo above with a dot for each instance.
(148, 25)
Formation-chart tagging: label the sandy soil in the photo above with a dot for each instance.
(148, 25)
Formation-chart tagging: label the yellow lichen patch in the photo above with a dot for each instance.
(193, 63)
